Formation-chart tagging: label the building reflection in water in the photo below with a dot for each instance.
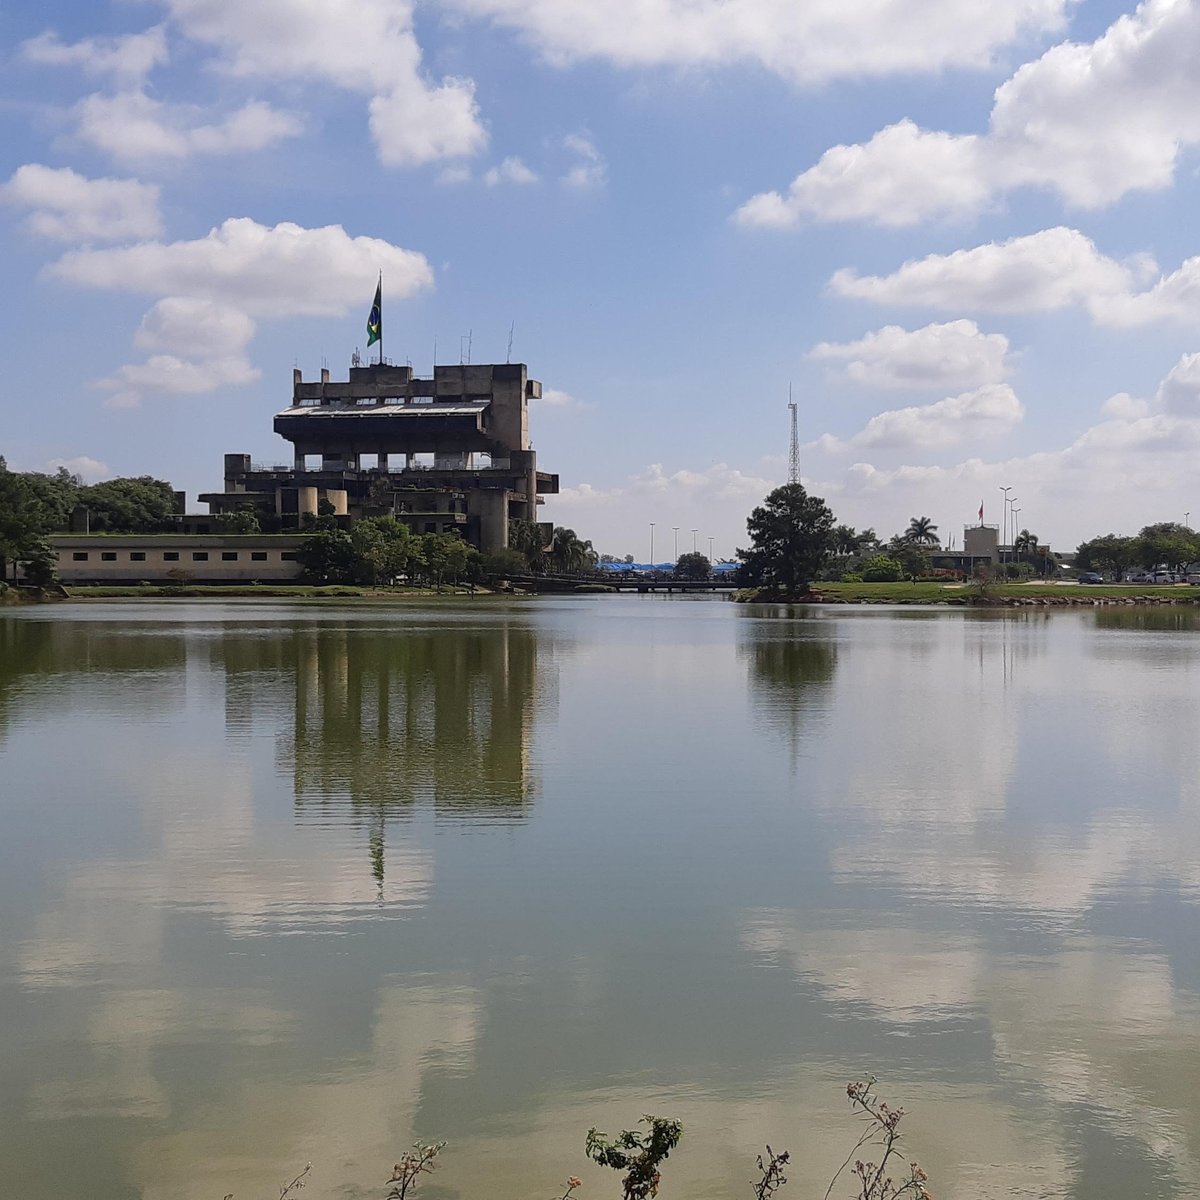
(377, 721)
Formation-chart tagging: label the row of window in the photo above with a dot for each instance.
(173, 556)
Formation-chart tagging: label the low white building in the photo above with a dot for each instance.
(132, 558)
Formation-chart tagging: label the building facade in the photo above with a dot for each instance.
(445, 454)
(133, 558)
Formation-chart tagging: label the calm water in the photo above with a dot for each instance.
(287, 883)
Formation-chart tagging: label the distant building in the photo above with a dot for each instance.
(446, 454)
(132, 558)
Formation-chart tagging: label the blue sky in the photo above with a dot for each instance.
(962, 230)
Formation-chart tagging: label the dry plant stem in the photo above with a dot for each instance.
(772, 1176)
(418, 1161)
(295, 1185)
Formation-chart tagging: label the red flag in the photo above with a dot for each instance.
(981, 512)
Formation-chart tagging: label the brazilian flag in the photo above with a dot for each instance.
(375, 320)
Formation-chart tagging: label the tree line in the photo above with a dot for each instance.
(1166, 544)
(33, 504)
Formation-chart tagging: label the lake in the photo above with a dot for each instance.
(289, 883)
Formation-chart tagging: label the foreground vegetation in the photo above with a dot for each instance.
(639, 1156)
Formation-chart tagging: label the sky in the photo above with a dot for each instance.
(961, 232)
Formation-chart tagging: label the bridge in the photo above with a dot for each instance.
(633, 583)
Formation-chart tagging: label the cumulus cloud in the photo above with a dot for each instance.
(985, 412)
(165, 373)
(130, 57)
(805, 43)
(591, 167)
(132, 126)
(511, 170)
(902, 176)
(187, 325)
(1147, 446)
(84, 466)
(364, 46)
(555, 398)
(68, 207)
(951, 355)
(284, 270)
(1041, 272)
(1091, 122)
(210, 289)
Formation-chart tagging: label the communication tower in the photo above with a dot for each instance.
(794, 449)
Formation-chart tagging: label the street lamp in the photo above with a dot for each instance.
(694, 532)
(675, 531)
(1004, 520)
(1186, 522)
(651, 545)
(710, 542)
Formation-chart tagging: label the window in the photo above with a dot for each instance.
(171, 556)
(229, 556)
(108, 556)
(137, 556)
(288, 556)
(199, 556)
(258, 556)
(79, 556)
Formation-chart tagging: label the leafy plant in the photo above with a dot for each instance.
(637, 1154)
(771, 1176)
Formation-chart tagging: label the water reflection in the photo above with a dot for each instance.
(791, 664)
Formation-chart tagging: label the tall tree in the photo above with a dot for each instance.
(791, 536)
(922, 531)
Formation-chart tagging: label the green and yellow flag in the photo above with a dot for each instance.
(375, 320)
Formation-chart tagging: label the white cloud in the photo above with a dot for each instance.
(1040, 272)
(985, 412)
(555, 398)
(364, 46)
(902, 176)
(807, 42)
(511, 170)
(1044, 271)
(87, 468)
(591, 169)
(1127, 470)
(1091, 122)
(130, 57)
(132, 126)
(284, 270)
(951, 355)
(165, 373)
(186, 325)
(68, 207)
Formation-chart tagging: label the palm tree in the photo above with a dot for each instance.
(569, 552)
(922, 531)
(1026, 543)
(845, 540)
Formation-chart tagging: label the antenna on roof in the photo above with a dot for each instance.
(511, 328)
(356, 358)
(470, 339)
(794, 446)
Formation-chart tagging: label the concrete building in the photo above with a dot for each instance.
(450, 453)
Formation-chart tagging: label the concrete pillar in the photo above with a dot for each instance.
(337, 497)
(306, 501)
(490, 506)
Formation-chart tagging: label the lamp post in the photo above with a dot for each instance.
(710, 542)
(1015, 513)
(675, 531)
(1004, 520)
(1186, 522)
(652, 545)
(694, 532)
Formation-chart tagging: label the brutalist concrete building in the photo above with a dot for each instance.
(442, 454)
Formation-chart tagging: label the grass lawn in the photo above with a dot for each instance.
(941, 593)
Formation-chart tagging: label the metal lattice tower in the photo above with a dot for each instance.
(794, 449)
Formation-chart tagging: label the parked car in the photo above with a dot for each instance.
(1138, 577)
(1165, 577)
(1193, 577)
(1090, 577)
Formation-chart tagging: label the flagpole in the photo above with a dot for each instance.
(381, 318)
